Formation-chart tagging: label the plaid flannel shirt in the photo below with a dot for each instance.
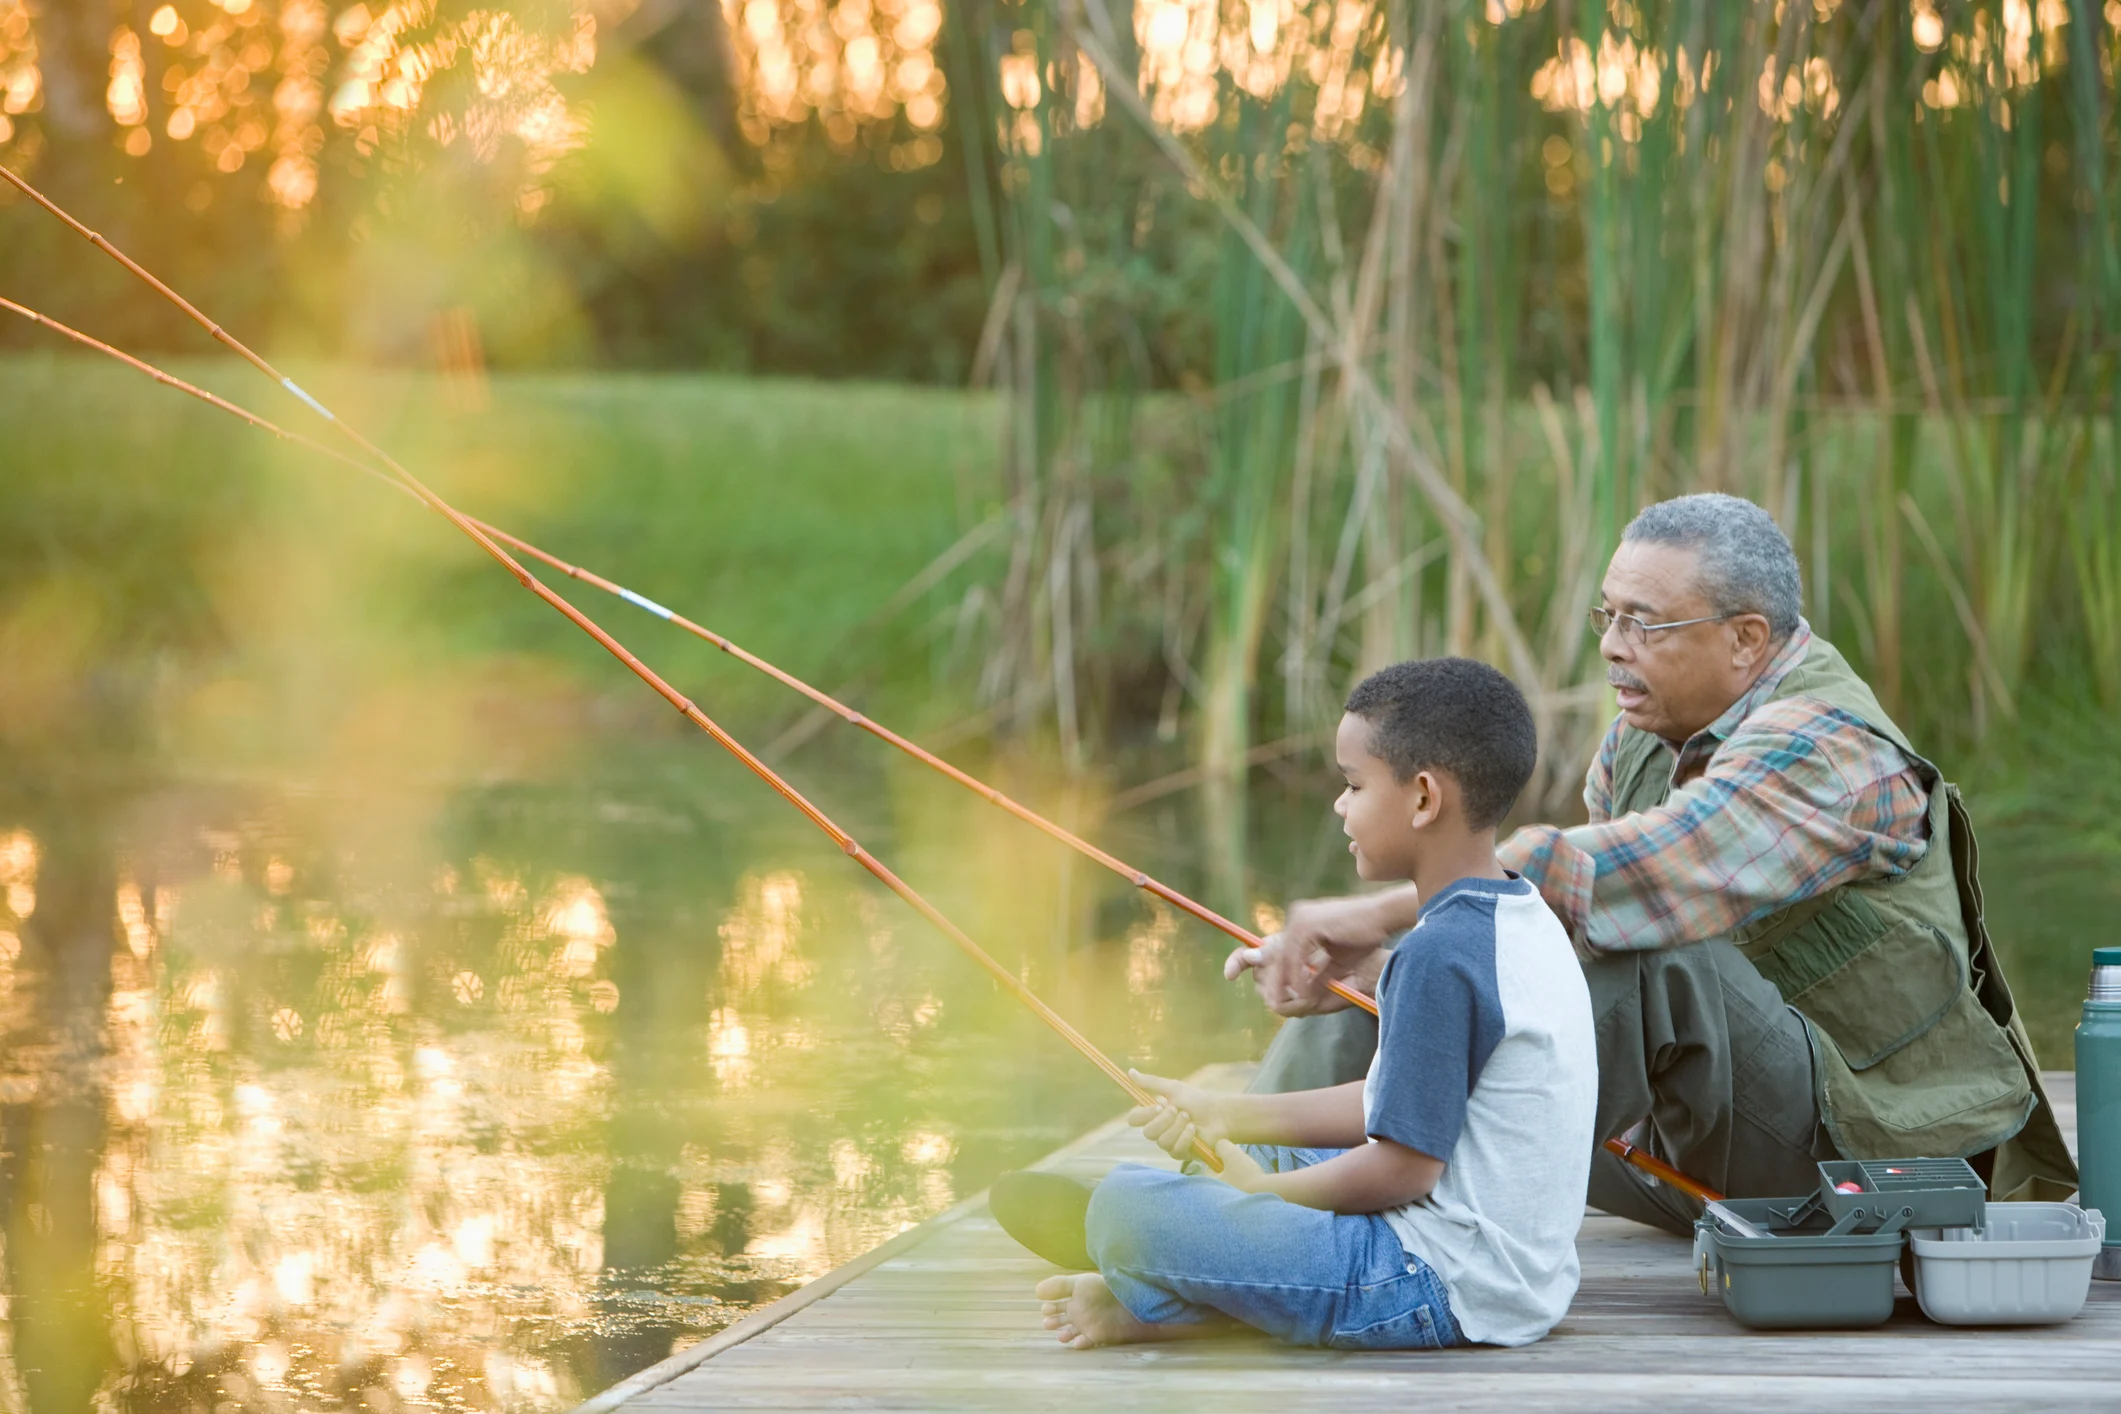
(1773, 802)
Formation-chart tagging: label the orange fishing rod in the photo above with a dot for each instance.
(1658, 1169)
(1139, 878)
(172, 381)
(847, 843)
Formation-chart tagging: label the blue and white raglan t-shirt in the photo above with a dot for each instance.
(1487, 1061)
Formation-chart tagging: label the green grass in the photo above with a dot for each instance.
(2046, 804)
(784, 514)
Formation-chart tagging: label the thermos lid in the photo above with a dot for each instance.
(2106, 957)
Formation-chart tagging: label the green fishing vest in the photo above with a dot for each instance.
(1917, 1047)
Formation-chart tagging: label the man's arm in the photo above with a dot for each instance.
(1802, 798)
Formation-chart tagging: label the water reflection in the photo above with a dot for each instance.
(494, 1121)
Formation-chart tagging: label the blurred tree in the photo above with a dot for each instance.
(538, 181)
(689, 41)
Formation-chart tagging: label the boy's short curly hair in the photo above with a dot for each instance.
(1457, 716)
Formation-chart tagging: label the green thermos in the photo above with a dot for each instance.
(2099, 1104)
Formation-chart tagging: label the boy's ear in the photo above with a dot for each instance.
(1424, 799)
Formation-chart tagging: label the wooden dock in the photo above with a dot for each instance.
(942, 1318)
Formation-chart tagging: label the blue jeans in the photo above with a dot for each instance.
(1176, 1248)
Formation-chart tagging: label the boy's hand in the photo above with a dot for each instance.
(1324, 940)
(1240, 1170)
(1182, 1113)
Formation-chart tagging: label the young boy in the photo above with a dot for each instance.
(1435, 1203)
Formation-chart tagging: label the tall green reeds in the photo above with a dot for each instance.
(1344, 332)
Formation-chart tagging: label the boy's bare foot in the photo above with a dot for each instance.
(1083, 1313)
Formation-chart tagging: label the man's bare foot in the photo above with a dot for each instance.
(1083, 1313)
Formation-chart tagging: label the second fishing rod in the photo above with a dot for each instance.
(1141, 879)
(407, 481)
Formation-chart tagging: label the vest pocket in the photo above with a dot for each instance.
(1953, 1091)
(1872, 999)
(1907, 1061)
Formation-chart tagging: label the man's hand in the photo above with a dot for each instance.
(1324, 940)
(1182, 1113)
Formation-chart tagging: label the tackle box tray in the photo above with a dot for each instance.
(1893, 1194)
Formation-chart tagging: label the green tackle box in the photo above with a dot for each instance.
(1803, 1275)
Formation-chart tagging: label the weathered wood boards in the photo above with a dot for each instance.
(944, 1319)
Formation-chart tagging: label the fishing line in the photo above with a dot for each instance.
(847, 843)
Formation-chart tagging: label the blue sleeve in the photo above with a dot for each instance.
(1439, 1019)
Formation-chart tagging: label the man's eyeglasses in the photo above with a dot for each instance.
(1635, 631)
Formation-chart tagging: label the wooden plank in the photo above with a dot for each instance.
(1070, 1157)
(1648, 1391)
(943, 1318)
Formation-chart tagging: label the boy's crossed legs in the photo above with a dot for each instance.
(1181, 1256)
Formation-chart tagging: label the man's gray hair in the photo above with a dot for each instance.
(1747, 566)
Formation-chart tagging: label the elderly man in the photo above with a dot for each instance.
(1774, 900)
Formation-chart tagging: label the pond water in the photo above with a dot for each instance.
(485, 1096)
(482, 1095)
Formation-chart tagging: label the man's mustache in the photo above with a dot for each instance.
(1620, 678)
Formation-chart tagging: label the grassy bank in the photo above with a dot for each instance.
(784, 514)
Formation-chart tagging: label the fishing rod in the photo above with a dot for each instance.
(1711, 1201)
(310, 444)
(685, 706)
(1658, 1169)
(1139, 878)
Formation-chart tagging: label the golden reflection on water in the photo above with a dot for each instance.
(18, 872)
(238, 1207)
(381, 1139)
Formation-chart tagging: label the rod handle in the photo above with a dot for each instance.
(1662, 1171)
